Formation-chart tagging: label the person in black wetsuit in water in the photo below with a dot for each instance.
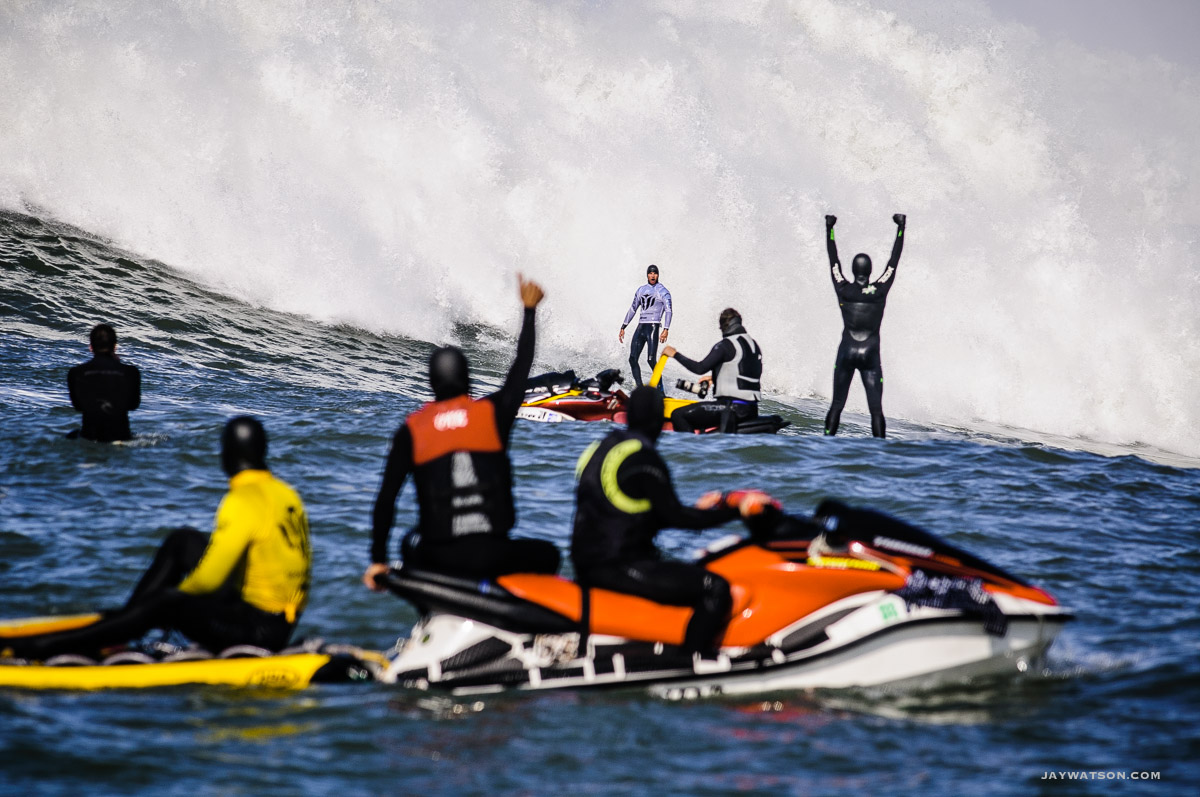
(624, 498)
(862, 304)
(105, 390)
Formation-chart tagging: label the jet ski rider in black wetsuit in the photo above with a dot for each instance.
(862, 305)
(624, 498)
(456, 448)
(736, 365)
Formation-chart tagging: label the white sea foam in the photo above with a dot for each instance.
(392, 165)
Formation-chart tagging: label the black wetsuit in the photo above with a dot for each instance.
(105, 390)
(624, 498)
(862, 314)
(448, 538)
(736, 350)
(216, 620)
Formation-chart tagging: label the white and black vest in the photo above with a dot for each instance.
(739, 378)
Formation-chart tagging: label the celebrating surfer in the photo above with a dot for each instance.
(862, 303)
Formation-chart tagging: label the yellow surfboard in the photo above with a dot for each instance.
(269, 672)
(27, 626)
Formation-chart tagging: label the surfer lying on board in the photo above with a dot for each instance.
(736, 365)
(456, 447)
(245, 584)
(624, 498)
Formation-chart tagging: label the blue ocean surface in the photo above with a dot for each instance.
(282, 208)
(1111, 535)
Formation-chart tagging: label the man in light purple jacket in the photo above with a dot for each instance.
(652, 303)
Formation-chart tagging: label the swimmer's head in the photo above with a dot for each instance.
(103, 339)
(449, 375)
(645, 412)
(243, 445)
(652, 274)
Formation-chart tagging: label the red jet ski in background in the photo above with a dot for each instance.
(557, 397)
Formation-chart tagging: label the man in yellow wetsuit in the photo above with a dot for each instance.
(245, 584)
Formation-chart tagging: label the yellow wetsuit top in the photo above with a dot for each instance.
(261, 521)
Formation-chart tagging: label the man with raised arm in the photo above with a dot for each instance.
(456, 448)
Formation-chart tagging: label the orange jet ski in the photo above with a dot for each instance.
(847, 598)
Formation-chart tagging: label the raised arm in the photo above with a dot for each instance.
(509, 397)
(889, 273)
(835, 265)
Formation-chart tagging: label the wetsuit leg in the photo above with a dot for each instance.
(218, 622)
(872, 379)
(484, 556)
(215, 621)
(178, 555)
(699, 417)
(843, 375)
(675, 584)
(739, 411)
(635, 350)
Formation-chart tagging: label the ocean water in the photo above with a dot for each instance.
(282, 210)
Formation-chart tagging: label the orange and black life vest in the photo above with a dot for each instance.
(460, 467)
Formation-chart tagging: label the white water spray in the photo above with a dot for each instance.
(391, 165)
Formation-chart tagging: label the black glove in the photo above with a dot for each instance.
(830, 221)
(899, 219)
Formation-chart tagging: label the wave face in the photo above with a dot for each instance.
(390, 166)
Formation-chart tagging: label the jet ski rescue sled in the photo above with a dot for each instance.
(850, 598)
(558, 397)
(164, 665)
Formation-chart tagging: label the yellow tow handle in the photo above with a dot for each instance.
(656, 376)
